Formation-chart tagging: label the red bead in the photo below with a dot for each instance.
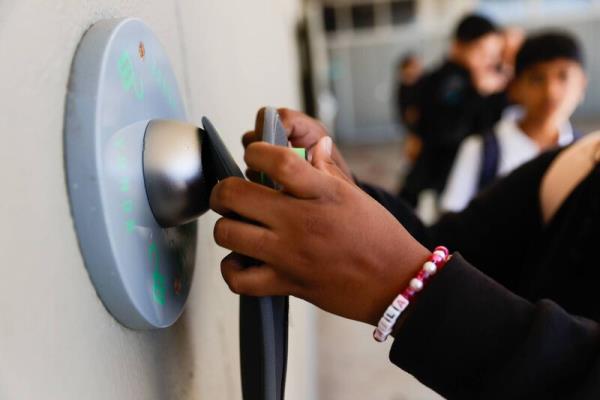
(436, 259)
(422, 275)
(442, 248)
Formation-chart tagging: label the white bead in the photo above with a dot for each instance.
(387, 322)
(440, 253)
(379, 336)
(385, 325)
(430, 268)
(416, 284)
(392, 314)
(400, 303)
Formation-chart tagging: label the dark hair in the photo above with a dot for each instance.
(473, 27)
(548, 46)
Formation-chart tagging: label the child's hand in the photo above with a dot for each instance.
(321, 238)
(303, 131)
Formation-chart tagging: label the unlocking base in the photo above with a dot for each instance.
(121, 79)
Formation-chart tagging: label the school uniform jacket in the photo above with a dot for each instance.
(501, 320)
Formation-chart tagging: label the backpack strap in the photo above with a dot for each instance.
(490, 159)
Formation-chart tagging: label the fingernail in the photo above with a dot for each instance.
(328, 144)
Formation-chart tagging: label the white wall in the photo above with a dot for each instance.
(56, 339)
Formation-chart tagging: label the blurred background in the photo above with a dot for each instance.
(335, 59)
(356, 46)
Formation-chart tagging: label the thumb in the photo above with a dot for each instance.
(321, 158)
(321, 151)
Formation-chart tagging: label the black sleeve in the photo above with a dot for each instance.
(447, 109)
(503, 220)
(467, 337)
(492, 107)
(407, 98)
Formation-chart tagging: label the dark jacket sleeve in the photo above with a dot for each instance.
(446, 108)
(503, 220)
(467, 337)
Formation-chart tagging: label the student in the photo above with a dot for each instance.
(456, 100)
(408, 76)
(325, 240)
(548, 85)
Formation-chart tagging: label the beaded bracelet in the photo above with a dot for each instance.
(434, 263)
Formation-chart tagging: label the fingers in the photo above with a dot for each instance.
(302, 130)
(260, 122)
(248, 200)
(285, 167)
(321, 153)
(254, 281)
(249, 137)
(322, 159)
(246, 238)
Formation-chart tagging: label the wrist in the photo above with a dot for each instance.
(393, 313)
(402, 267)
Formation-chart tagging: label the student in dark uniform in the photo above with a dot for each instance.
(462, 96)
(408, 74)
(502, 331)
(408, 77)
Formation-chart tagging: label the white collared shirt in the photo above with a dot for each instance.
(515, 148)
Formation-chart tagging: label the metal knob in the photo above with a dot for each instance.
(177, 183)
(182, 164)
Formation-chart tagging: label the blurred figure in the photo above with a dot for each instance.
(548, 85)
(460, 97)
(513, 40)
(408, 75)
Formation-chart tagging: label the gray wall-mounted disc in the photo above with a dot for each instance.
(121, 78)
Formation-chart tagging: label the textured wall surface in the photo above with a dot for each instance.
(56, 339)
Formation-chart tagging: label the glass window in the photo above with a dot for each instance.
(403, 11)
(363, 16)
(329, 19)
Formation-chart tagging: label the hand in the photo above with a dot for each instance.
(321, 238)
(488, 81)
(303, 131)
(513, 40)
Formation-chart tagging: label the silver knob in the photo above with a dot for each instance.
(177, 184)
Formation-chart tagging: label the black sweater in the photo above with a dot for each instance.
(471, 336)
